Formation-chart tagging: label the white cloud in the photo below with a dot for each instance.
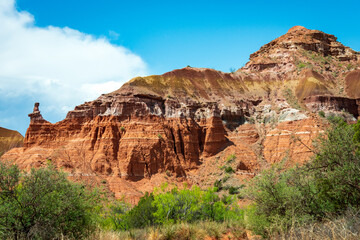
(62, 67)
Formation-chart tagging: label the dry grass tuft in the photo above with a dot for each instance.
(180, 231)
(345, 227)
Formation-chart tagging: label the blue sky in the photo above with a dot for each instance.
(217, 34)
(84, 48)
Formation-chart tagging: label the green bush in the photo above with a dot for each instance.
(233, 190)
(337, 167)
(229, 169)
(329, 184)
(43, 204)
(119, 215)
(280, 197)
(321, 114)
(349, 66)
(189, 205)
(111, 215)
(218, 185)
(141, 215)
(301, 65)
(175, 206)
(225, 178)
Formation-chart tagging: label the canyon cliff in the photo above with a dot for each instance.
(9, 139)
(182, 126)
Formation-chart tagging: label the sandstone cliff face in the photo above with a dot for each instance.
(9, 139)
(180, 125)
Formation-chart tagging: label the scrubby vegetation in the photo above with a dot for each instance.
(170, 207)
(321, 114)
(43, 204)
(329, 185)
(319, 200)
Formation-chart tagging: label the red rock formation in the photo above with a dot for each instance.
(9, 139)
(352, 82)
(176, 126)
(291, 141)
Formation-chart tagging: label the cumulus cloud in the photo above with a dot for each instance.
(61, 67)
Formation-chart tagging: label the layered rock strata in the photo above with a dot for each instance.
(179, 125)
(9, 139)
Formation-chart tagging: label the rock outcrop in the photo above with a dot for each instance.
(9, 139)
(176, 126)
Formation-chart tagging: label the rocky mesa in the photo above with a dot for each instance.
(182, 125)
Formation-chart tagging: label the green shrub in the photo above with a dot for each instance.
(141, 215)
(111, 216)
(224, 180)
(118, 215)
(233, 190)
(337, 165)
(301, 65)
(175, 206)
(43, 204)
(229, 169)
(279, 198)
(349, 66)
(218, 185)
(231, 158)
(321, 114)
(329, 184)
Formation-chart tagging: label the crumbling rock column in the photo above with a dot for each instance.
(36, 115)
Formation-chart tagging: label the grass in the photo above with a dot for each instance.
(229, 169)
(230, 158)
(346, 226)
(181, 231)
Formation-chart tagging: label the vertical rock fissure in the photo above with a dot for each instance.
(115, 141)
(201, 139)
(94, 138)
(173, 138)
(181, 144)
